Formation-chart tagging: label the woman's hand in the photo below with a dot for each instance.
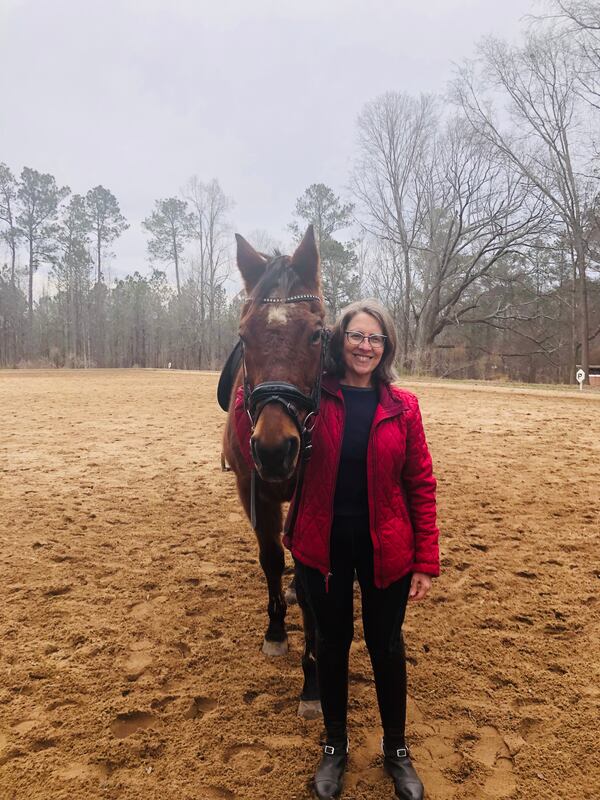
(419, 586)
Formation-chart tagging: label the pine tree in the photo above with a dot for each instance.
(320, 207)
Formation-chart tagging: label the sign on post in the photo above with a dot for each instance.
(580, 376)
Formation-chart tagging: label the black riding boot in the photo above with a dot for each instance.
(398, 766)
(329, 776)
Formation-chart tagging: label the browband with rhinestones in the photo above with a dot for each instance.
(297, 298)
(294, 299)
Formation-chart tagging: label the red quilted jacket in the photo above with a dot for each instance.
(401, 486)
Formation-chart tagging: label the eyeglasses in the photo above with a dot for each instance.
(376, 340)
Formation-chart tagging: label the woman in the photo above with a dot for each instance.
(367, 506)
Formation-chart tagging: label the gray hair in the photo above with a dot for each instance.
(385, 370)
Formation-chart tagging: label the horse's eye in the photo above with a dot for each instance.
(316, 337)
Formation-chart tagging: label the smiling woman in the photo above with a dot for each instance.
(362, 350)
(367, 508)
(349, 356)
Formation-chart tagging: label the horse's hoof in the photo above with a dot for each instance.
(290, 595)
(275, 648)
(310, 709)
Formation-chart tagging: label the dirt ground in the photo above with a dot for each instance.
(132, 606)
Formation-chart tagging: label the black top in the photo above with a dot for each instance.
(351, 495)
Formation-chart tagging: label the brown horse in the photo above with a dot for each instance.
(280, 361)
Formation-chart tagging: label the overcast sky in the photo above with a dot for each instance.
(261, 94)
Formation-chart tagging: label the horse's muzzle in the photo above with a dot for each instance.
(275, 463)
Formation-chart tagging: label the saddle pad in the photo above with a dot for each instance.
(228, 376)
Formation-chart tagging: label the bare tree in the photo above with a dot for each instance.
(584, 14)
(264, 242)
(209, 226)
(578, 22)
(394, 133)
(384, 278)
(538, 82)
(477, 211)
(448, 207)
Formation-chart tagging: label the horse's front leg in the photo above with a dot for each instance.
(272, 561)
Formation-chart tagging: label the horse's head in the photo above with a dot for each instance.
(281, 328)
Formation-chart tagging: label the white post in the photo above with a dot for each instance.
(580, 376)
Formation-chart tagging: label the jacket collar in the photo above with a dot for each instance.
(390, 403)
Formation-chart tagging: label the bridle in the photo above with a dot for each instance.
(293, 401)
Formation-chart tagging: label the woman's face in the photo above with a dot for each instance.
(362, 359)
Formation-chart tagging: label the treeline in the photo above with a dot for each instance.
(135, 321)
(476, 219)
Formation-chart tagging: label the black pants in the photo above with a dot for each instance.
(383, 614)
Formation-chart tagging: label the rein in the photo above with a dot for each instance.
(293, 402)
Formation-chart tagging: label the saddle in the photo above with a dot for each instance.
(228, 376)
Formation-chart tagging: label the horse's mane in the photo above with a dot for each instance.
(277, 275)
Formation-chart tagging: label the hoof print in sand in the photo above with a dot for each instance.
(58, 591)
(160, 703)
(25, 726)
(216, 793)
(523, 619)
(491, 751)
(461, 566)
(82, 771)
(131, 722)
(183, 648)
(198, 707)
(251, 758)
(136, 665)
(525, 573)
(42, 743)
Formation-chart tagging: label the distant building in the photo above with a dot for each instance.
(594, 374)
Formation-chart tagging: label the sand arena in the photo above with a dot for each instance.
(132, 606)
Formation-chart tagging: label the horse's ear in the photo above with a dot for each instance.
(250, 263)
(306, 259)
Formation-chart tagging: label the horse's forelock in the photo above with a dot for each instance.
(277, 275)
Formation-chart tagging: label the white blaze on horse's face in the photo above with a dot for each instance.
(277, 314)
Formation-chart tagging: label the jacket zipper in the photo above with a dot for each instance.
(337, 466)
(371, 495)
(373, 484)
